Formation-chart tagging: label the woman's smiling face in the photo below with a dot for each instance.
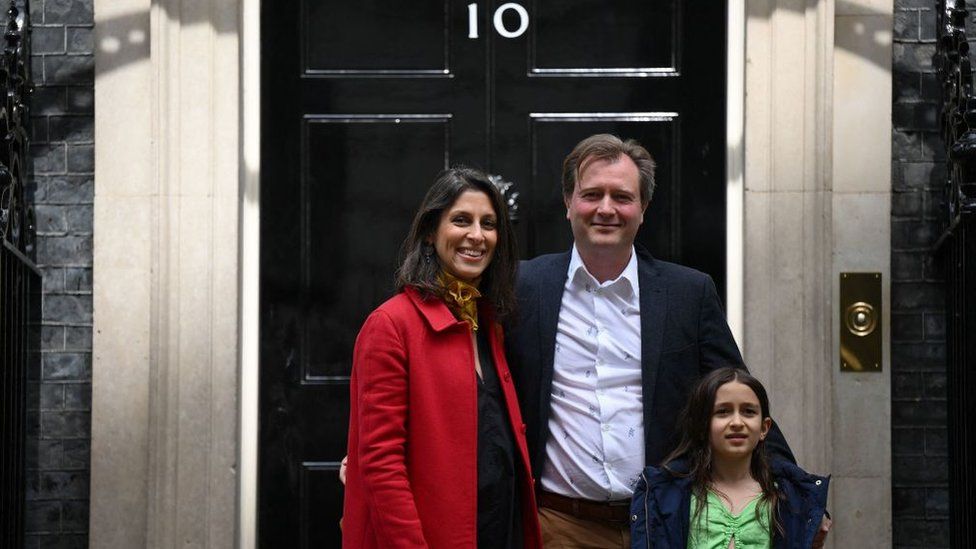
(466, 236)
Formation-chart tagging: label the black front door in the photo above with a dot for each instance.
(364, 102)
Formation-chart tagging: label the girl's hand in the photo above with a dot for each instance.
(818, 540)
(342, 470)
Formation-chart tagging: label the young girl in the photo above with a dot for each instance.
(717, 489)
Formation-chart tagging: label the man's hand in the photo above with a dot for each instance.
(818, 540)
(342, 473)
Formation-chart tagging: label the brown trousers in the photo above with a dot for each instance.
(562, 531)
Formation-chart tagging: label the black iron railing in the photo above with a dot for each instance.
(20, 280)
(957, 249)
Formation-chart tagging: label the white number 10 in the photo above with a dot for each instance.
(497, 20)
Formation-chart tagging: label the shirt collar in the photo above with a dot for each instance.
(627, 279)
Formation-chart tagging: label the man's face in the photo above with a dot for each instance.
(605, 208)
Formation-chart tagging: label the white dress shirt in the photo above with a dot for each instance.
(595, 449)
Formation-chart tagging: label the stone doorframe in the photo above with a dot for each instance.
(164, 460)
(174, 420)
(817, 203)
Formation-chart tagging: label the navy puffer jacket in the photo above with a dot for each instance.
(661, 509)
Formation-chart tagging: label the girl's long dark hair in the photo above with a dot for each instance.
(695, 445)
(419, 267)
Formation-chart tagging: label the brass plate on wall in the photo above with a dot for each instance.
(860, 322)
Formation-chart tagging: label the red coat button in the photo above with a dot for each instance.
(507, 376)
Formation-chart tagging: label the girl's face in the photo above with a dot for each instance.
(737, 423)
(466, 236)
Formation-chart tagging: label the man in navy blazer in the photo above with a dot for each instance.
(608, 343)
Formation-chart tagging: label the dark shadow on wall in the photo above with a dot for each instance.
(121, 41)
(871, 37)
(124, 39)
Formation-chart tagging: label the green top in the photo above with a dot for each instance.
(716, 526)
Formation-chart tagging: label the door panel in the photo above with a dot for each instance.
(375, 37)
(585, 37)
(364, 102)
(321, 496)
(364, 176)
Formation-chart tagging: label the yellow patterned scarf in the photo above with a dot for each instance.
(461, 298)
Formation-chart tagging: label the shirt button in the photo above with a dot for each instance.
(819, 482)
(606, 427)
(633, 518)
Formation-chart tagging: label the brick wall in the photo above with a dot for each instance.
(63, 160)
(918, 352)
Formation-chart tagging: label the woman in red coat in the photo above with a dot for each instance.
(437, 454)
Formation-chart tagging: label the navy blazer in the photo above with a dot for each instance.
(660, 512)
(684, 335)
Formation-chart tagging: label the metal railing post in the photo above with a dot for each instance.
(20, 279)
(957, 250)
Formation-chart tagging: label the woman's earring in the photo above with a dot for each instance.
(428, 251)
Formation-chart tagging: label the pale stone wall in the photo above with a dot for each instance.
(861, 427)
(817, 203)
(164, 410)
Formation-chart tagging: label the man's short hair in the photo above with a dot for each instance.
(604, 146)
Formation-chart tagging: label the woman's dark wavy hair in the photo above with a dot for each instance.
(498, 281)
(695, 446)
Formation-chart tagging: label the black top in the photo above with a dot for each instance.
(499, 522)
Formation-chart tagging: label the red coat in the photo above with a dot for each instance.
(412, 477)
